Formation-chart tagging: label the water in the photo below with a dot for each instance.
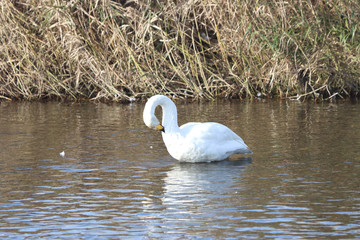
(118, 181)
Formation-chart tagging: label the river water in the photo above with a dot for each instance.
(117, 181)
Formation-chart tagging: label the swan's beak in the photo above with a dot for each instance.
(160, 127)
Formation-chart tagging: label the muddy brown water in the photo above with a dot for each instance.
(118, 181)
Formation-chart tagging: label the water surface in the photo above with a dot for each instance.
(118, 181)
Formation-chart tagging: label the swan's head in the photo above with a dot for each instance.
(153, 123)
(169, 114)
(149, 117)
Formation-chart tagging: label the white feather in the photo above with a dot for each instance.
(192, 142)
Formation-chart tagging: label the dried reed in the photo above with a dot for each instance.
(110, 50)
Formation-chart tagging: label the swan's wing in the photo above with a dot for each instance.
(214, 135)
(210, 131)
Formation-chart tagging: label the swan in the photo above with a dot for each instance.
(193, 141)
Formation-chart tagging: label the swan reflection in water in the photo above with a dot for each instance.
(194, 194)
(195, 183)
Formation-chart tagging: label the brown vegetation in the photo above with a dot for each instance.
(120, 50)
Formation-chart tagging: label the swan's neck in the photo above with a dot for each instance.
(169, 116)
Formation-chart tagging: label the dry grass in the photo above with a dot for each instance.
(110, 50)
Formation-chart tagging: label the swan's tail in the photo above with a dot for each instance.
(246, 151)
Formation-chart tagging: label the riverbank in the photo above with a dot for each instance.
(106, 50)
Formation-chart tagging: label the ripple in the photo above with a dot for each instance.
(112, 185)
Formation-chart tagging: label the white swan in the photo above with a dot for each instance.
(192, 142)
